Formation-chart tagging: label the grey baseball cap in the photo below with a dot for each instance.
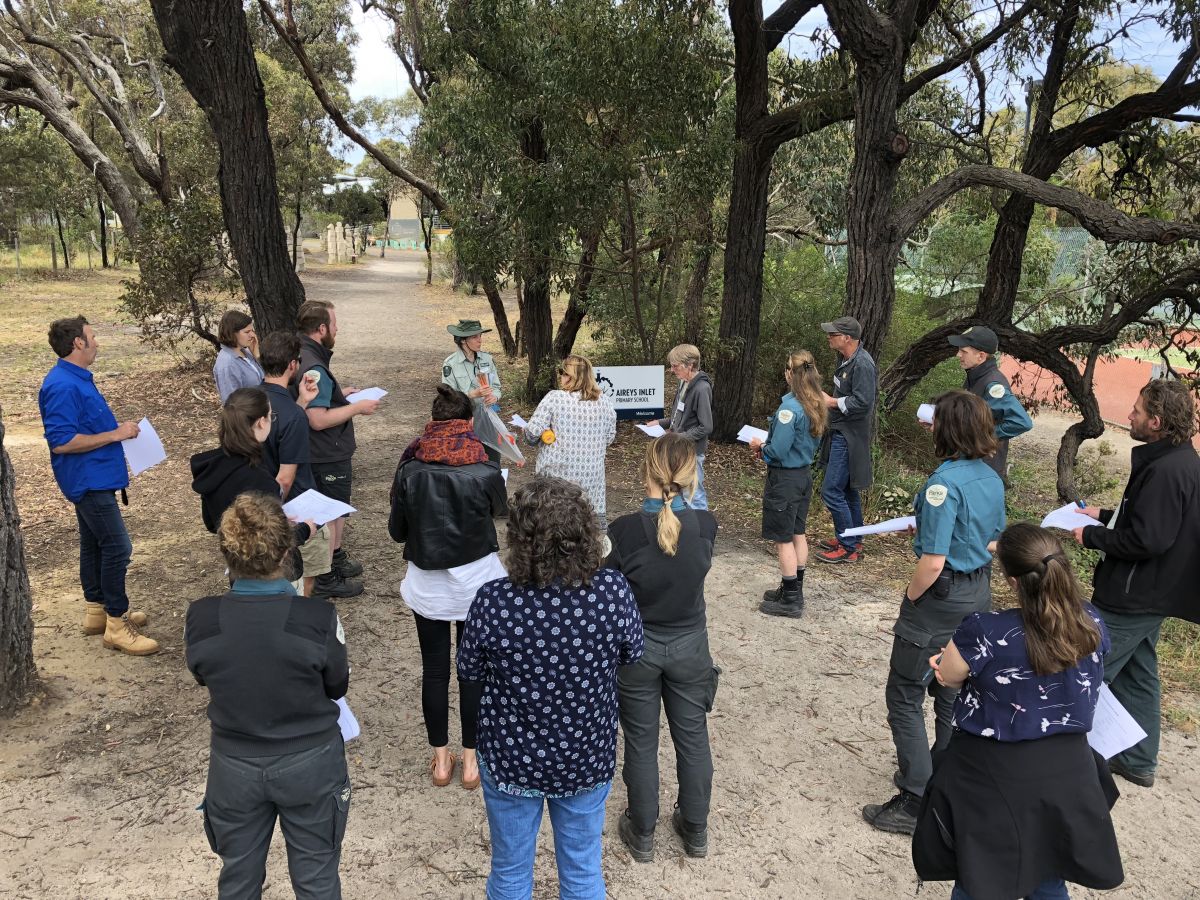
(847, 325)
(978, 336)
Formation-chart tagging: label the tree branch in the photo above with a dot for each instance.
(1100, 219)
(288, 36)
(777, 25)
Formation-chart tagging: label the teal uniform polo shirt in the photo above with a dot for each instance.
(959, 512)
(789, 444)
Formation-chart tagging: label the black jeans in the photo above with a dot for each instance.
(308, 791)
(434, 637)
(104, 551)
(676, 673)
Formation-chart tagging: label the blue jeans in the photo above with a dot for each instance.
(699, 499)
(1131, 670)
(1050, 889)
(842, 501)
(104, 551)
(514, 822)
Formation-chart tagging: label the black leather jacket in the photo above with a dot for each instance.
(443, 514)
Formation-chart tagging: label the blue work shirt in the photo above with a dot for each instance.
(70, 404)
(959, 512)
(987, 381)
(790, 443)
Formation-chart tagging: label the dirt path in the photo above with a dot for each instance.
(99, 782)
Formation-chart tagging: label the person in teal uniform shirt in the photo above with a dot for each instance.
(792, 441)
(960, 513)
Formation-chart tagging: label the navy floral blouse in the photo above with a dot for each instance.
(548, 658)
(1004, 699)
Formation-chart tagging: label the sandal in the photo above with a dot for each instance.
(441, 782)
(474, 782)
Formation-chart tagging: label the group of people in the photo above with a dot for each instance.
(581, 623)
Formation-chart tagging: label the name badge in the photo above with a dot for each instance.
(680, 406)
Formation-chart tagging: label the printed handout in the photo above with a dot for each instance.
(314, 507)
(145, 450)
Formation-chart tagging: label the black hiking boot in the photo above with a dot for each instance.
(641, 846)
(344, 565)
(695, 837)
(898, 815)
(332, 586)
(788, 604)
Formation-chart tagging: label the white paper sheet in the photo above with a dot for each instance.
(311, 506)
(749, 431)
(1068, 518)
(375, 393)
(1113, 728)
(145, 450)
(925, 413)
(346, 721)
(654, 431)
(887, 527)
(504, 475)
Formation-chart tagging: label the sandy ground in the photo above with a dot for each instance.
(99, 781)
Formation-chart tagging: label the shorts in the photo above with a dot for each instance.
(785, 503)
(316, 554)
(333, 479)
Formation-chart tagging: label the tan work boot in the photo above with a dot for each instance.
(95, 618)
(121, 634)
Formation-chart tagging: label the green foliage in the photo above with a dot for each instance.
(1093, 470)
(186, 279)
(354, 206)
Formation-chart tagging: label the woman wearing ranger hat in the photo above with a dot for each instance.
(977, 348)
(468, 369)
(463, 368)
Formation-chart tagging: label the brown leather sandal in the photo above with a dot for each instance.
(441, 782)
(474, 782)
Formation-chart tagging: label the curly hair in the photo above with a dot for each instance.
(1175, 407)
(552, 535)
(255, 536)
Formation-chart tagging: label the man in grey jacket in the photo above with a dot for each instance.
(846, 453)
(692, 415)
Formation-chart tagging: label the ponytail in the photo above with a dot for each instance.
(805, 382)
(670, 466)
(1058, 630)
(235, 427)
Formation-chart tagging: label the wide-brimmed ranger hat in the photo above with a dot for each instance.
(978, 336)
(467, 328)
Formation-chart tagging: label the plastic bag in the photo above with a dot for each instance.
(489, 428)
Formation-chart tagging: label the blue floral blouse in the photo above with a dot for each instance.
(1004, 699)
(548, 658)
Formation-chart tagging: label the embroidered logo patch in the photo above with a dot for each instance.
(445, 371)
(785, 416)
(935, 494)
(996, 390)
(341, 633)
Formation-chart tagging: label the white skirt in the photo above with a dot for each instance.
(447, 594)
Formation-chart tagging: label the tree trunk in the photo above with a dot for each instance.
(537, 326)
(427, 238)
(500, 316)
(741, 300)
(693, 298)
(62, 240)
(577, 305)
(17, 672)
(103, 231)
(208, 44)
(296, 230)
(872, 246)
(53, 255)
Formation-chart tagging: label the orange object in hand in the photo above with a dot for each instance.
(548, 437)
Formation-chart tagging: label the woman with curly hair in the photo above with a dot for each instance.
(273, 663)
(546, 642)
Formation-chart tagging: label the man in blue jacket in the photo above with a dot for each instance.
(89, 466)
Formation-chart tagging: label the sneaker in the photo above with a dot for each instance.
(641, 846)
(332, 586)
(827, 545)
(695, 838)
(344, 565)
(781, 603)
(1141, 779)
(840, 555)
(897, 816)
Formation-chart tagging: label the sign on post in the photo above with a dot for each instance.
(636, 392)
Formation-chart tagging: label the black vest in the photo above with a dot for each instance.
(331, 444)
(979, 379)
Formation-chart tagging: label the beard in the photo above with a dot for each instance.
(1139, 433)
(327, 341)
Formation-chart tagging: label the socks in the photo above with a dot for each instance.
(790, 584)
